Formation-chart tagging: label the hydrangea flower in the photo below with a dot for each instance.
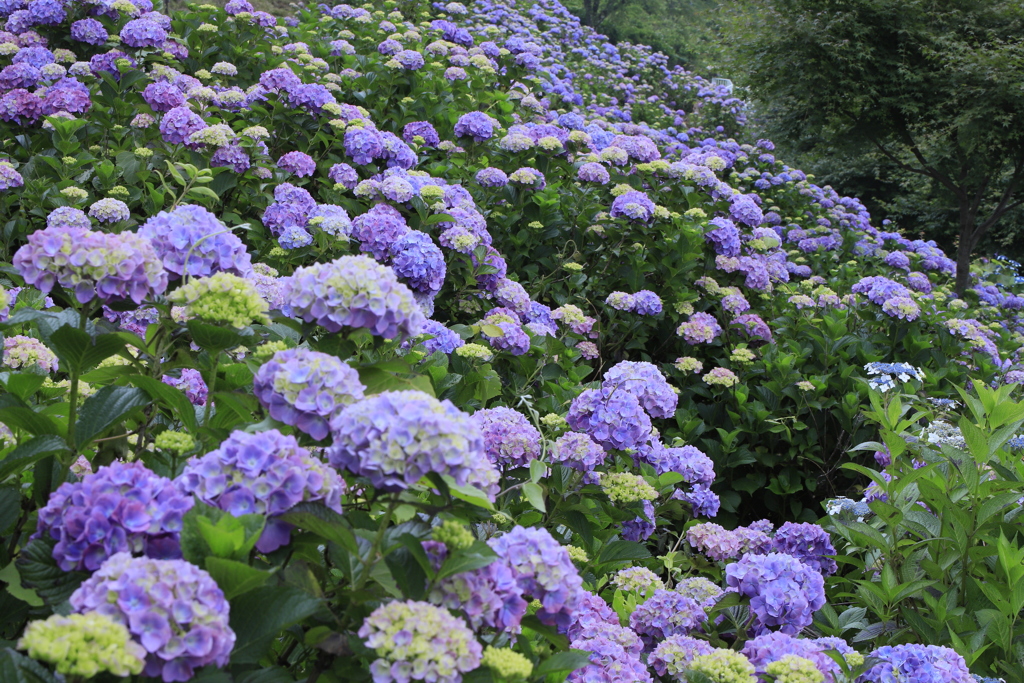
(476, 125)
(418, 261)
(395, 438)
(634, 205)
(191, 240)
(673, 655)
(917, 663)
(578, 451)
(143, 33)
(646, 383)
(123, 507)
(808, 543)
(171, 607)
(610, 661)
(192, 383)
(510, 440)
(379, 230)
(773, 646)
(306, 389)
(9, 177)
(178, 125)
(646, 302)
(613, 418)
(222, 298)
(664, 614)
(266, 473)
(110, 211)
(419, 641)
(299, 163)
(442, 338)
(29, 353)
(543, 570)
(353, 291)
(701, 328)
(784, 592)
(719, 544)
(637, 580)
(83, 645)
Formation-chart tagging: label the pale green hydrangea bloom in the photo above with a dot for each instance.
(625, 487)
(222, 298)
(83, 645)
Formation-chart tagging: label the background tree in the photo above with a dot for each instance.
(932, 88)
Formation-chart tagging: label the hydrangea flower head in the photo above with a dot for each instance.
(83, 645)
(510, 440)
(666, 613)
(299, 163)
(123, 507)
(306, 389)
(488, 596)
(395, 438)
(612, 417)
(543, 570)
(637, 580)
(724, 666)
(809, 543)
(784, 592)
(266, 473)
(222, 298)
(646, 383)
(92, 264)
(673, 655)
(701, 328)
(917, 663)
(476, 125)
(419, 641)
(578, 451)
(172, 608)
(354, 291)
(634, 205)
(191, 240)
(29, 353)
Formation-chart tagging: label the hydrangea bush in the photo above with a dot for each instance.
(420, 341)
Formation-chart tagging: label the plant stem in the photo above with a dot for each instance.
(371, 559)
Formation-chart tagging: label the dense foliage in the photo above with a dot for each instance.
(421, 342)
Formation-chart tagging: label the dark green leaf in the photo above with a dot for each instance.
(17, 417)
(78, 351)
(563, 662)
(175, 398)
(28, 453)
(104, 409)
(17, 668)
(324, 522)
(40, 572)
(618, 551)
(235, 578)
(257, 617)
(214, 338)
(207, 530)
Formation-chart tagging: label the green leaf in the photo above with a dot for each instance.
(214, 338)
(18, 417)
(22, 384)
(535, 494)
(560, 662)
(378, 380)
(30, 452)
(469, 494)
(476, 556)
(10, 507)
(9, 575)
(78, 351)
(492, 331)
(258, 616)
(235, 578)
(620, 551)
(17, 668)
(107, 407)
(175, 398)
(39, 571)
(209, 531)
(319, 519)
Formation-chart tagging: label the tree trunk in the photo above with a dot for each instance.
(965, 247)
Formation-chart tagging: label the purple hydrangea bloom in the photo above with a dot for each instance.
(646, 302)
(299, 163)
(808, 543)
(688, 461)
(110, 211)
(744, 209)
(489, 596)
(421, 129)
(476, 125)
(123, 507)
(178, 124)
(231, 156)
(191, 240)
(640, 528)
(395, 438)
(410, 59)
(444, 340)
(592, 613)
(753, 326)
(9, 177)
(419, 262)
(634, 205)
(784, 592)
(93, 265)
(20, 105)
(493, 259)
(68, 217)
(143, 33)
(917, 664)
(235, 7)
(646, 383)
(613, 418)
(306, 389)
(46, 12)
(344, 175)
(397, 189)
(673, 655)
(266, 473)
(363, 144)
(578, 451)
(89, 31)
(19, 76)
(174, 609)
(512, 295)
(509, 438)
(66, 95)
(310, 96)
(880, 289)
(543, 570)
(773, 646)
(725, 237)
(379, 230)
(701, 328)
(593, 172)
(611, 661)
(720, 544)
(491, 177)
(192, 383)
(36, 55)
(163, 96)
(353, 291)
(666, 613)
(281, 78)
(703, 501)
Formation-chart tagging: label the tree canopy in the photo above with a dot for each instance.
(935, 87)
